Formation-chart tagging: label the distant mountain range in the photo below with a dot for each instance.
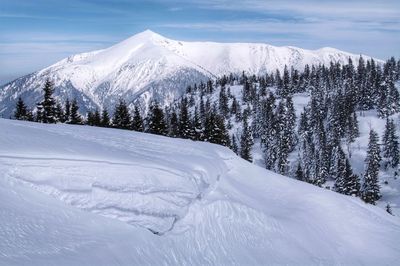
(149, 66)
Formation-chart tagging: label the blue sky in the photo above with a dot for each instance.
(37, 33)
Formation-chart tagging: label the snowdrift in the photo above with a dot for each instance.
(77, 195)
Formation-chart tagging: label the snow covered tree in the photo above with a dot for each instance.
(390, 143)
(156, 120)
(59, 113)
(215, 130)
(96, 118)
(370, 188)
(105, 118)
(137, 120)
(234, 146)
(174, 126)
(185, 127)
(67, 111)
(299, 172)
(75, 117)
(46, 108)
(121, 118)
(246, 141)
(22, 112)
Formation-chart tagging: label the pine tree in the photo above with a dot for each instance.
(96, 118)
(121, 117)
(234, 146)
(21, 112)
(246, 141)
(299, 172)
(185, 127)
(198, 126)
(156, 120)
(48, 103)
(137, 120)
(67, 112)
(174, 126)
(390, 141)
(59, 113)
(105, 118)
(89, 119)
(75, 117)
(371, 189)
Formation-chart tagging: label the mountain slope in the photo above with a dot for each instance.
(224, 210)
(149, 65)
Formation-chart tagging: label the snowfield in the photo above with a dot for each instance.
(77, 195)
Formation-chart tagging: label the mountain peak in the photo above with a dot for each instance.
(148, 34)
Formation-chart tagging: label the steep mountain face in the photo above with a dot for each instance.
(149, 66)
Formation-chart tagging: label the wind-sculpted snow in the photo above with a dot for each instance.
(77, 195)
(148, 66)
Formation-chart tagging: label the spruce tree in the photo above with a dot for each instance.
(390, 143)
(370, 188)
(75, 117)
(67, 112)
(246, 141)
(234, 146)
(185, 127)
(21, 112)
(59, 113)
(121, 117)
(96, 118)
(156, 120)
(137, 120)
(174, 126)
(48, 103)
(105, 118)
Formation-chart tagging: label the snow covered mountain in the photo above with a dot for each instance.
(207, 205)
(149, 65)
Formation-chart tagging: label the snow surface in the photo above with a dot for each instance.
(78, 195)
(148, 65)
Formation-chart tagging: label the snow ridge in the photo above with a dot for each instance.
(207, 205)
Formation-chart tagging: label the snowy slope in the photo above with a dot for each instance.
(208, 205)
(148, 65)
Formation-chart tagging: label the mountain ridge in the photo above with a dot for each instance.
(150, 66)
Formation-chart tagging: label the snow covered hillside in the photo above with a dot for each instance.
(150, 66)
(78, 195)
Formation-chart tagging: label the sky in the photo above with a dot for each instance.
(37, 33)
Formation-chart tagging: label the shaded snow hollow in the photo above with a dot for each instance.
(207, 205)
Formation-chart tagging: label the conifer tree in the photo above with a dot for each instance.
(390, 143)
(21, 111)
(299, 172)
(59, 113)
(47, 106)
(105, 118)
(75, 117)
(67, 112)
(198, 126)
(246, 141)
(185, 127)
(174, 126)
(137, 120)
(370, 188)
(121, 118)
(156, 120)
(96, 118)
(234, 146)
